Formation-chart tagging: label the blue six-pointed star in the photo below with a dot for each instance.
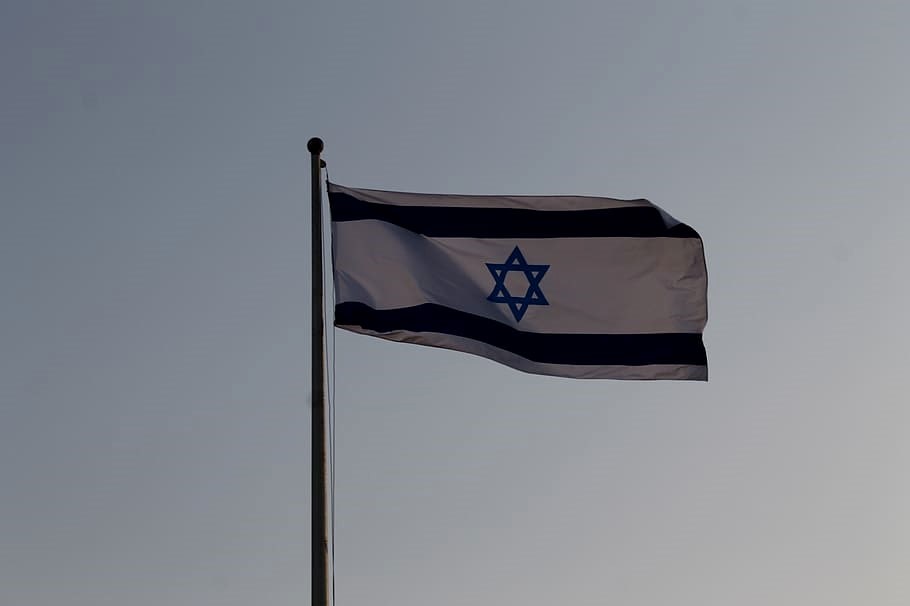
(533, 273)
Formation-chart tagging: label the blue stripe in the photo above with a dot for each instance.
(548, 348)
(473, 222)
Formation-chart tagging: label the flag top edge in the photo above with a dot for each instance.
(368, 190)
(537, 202)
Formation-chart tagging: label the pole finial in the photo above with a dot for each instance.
(315, 145)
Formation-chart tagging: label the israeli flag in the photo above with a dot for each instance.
(570, 286)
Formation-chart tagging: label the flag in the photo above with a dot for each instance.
(570, 286)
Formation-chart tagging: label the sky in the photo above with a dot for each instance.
(154, 254)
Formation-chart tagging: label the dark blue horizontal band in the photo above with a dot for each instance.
(548, 348)
(484, 222)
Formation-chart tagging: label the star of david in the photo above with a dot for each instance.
(533, 273)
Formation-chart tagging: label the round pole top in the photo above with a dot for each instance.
(315, 145)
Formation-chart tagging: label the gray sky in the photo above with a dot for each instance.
(154, 421)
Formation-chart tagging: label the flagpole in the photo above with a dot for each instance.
(319, 528)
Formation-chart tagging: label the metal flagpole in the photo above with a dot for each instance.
(320, 528)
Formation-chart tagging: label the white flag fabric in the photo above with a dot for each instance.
(570, 286)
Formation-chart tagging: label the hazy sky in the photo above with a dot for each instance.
(154, 316)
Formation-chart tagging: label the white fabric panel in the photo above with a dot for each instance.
(593, 285)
